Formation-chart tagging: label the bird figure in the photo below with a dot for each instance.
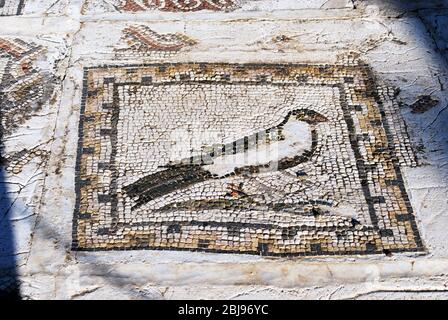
(286, 145)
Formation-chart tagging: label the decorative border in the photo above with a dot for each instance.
(178, 5)
(375, 120)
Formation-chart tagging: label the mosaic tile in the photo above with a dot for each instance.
(423, 104)
(268, 159)
(14, 163)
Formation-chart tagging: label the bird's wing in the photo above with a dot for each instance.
(163, 182)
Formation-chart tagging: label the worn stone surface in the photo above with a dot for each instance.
(92, 91)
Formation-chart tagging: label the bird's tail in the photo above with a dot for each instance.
(166, 181)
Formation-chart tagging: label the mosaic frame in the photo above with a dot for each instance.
(98, 80)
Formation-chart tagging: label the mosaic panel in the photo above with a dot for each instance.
(24, 87)
(269, 159)
(11, 7)
(177, 5)
(141, 41)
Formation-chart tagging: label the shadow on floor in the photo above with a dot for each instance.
(9, 284)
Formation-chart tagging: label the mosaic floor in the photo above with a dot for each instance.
(231, 149)
(266, 159)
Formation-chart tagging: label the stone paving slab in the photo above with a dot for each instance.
(58, 62)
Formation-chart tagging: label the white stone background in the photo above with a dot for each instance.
(404, 42)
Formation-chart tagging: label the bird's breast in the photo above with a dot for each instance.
(297, 139)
